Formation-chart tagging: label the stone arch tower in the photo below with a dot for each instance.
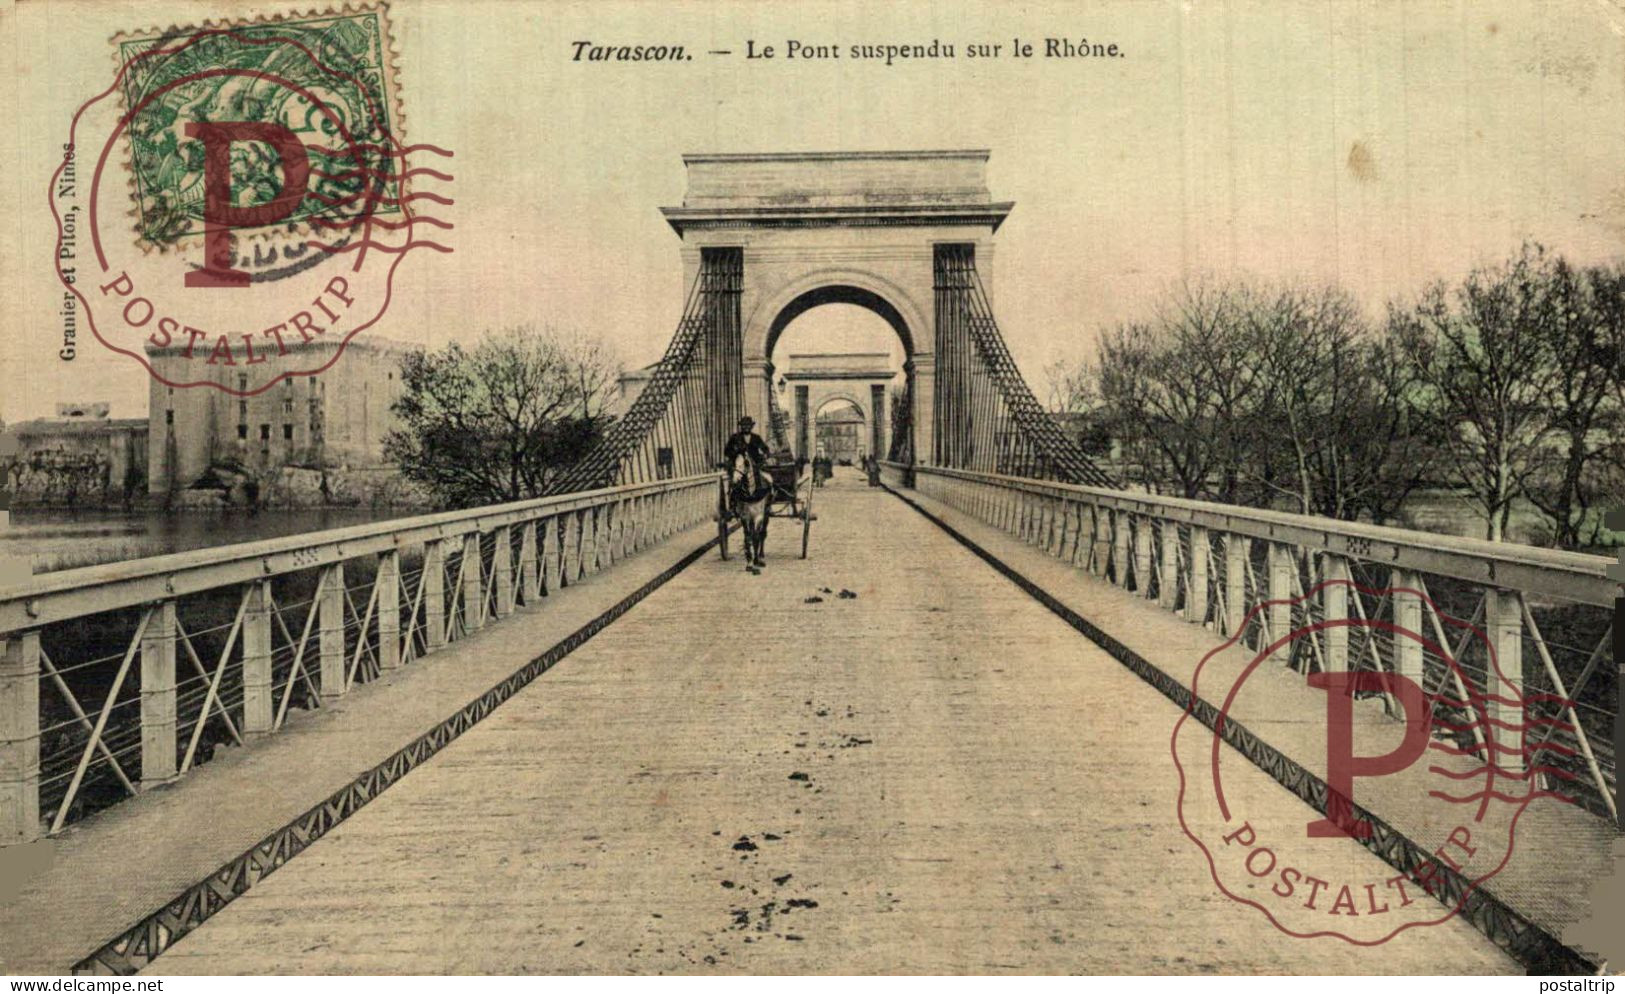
(837, 227)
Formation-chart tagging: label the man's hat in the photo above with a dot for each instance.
(747, 420)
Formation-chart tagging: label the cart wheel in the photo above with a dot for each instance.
(806, 523)
(722, 534)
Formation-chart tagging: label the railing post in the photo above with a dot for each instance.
(1334, 607)
(1235, 582)
(434, 594)
(530, 584)
(1083, 535)
(389, 610)
(1503, 681)
(158, 742)
(19, 738)
(1408, 653)
(589, 541)
(613, 532)
(550, 554)
(1168, 578)
(603, 531)
(1142, 555)
(1282, 568)
(608, 523)
(1100, 538)
(632, 541)
(258, 706)
(1120, 529)
(473, 583)
(502, 570)
(330, 622)
(570, 554)
(1196, 586)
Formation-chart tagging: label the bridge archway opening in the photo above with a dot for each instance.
(839, 346)
(842, 430)
(851, 296)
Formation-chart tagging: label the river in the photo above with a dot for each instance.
(56, 539)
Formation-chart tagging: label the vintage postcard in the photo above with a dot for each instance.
(727, 488)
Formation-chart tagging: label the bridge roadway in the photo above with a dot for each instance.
(936, 775)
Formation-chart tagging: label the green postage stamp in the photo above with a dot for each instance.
(329, 78)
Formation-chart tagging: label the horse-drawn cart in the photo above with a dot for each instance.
(788, 494)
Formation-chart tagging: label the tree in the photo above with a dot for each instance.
(1073, 387)
(1175, 390)
(501, 422)
(1386, 437)
(1588, 342)
(1074, 394)
(1335, 426)
(1485, 358)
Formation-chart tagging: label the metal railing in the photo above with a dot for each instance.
(118, 677)
(1514, 640)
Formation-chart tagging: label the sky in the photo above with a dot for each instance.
(1376, 144)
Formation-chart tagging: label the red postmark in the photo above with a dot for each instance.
(269, 192)
(1428, 770)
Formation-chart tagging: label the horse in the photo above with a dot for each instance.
(748, 490)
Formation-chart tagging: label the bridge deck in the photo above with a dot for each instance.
(104, 874)
(935, 775)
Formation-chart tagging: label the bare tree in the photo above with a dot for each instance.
(1385, 437)
(1073, 386)
(1212, 346)
(500, 422)
(1484, 356)
(1336, 429)
(1175, 391)
(1588, 337)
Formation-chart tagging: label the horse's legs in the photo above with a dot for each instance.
(747, 537)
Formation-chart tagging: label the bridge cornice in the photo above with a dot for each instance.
(990, 216)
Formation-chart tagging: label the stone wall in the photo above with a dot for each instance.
(88, 462)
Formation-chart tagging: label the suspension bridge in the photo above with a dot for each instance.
(565, 735)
